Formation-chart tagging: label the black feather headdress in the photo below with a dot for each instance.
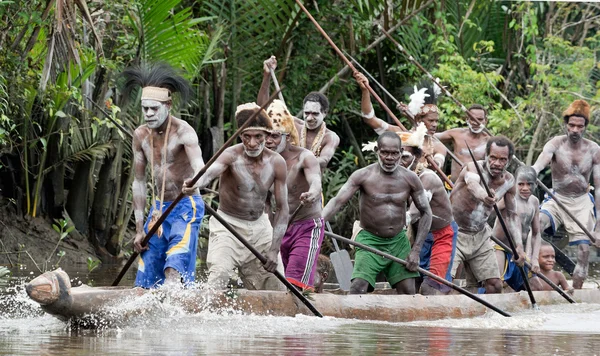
(160, 75)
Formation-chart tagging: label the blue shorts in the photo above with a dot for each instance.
(512, 274)
(176, 248)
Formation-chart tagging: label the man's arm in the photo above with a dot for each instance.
(312, 172)
(139, 190)
(536, 238)
(214, 171)
(596, 180)
(328, 149)
(422, 203)
(192, 149)
(263, 93)
(473, 182)
(346, 192)
(546, 156)
(562, 281)
(282, 212)
(446, 136)
(366, 108)
(513, 223)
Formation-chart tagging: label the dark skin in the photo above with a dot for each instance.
(460, 137)
(472, 206)
(183, 161)
(547, 261)
(431, 120)
(573, 161)
(245, 182)
(385, 188)
(314, 118)
(303, 177)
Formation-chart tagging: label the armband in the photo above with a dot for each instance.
(370, 115)
(139, 216)
(439, 159)
(382, 129)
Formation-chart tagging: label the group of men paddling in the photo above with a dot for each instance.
(270, 193)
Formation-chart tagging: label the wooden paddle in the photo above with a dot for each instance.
(541, 276)
(504, 227)
(263, 260)
(421, 270)
(166, 213)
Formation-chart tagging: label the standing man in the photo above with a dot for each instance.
(472, 206)
(314, 134)
(247, 172)
(385, 188)
(474, 135)
(171, 147)
(425, 112)
(302, 240)
(573, 159)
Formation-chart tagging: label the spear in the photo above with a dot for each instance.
(505, 228)
(276, 83)
(466, 111)
(381, 103)
(164, 215)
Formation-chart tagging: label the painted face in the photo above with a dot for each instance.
(575, 128)
(546, 258)
(313, 117)
(388, 155)
(254, 142)
(497, 160)
(478, 122)
(155, 112)
(276, 141)
(525, 186)
(408, 158)
(431, 120)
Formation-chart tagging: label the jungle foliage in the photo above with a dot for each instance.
(62, 156)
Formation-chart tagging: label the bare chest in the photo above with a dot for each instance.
(569, 161)
(477, 145)
(252, 177)
(386, 192)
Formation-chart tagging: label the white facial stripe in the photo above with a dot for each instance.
(282, 144)
(385, 169)
(481, 128)
(154, 117)
(256, 153)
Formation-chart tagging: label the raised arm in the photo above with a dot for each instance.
(282, 212)
(139, 188)
(513, 222)
(546, 156)
(346, 192)
(366, 107)
(312, 172)
(422, 204)
(263, 93)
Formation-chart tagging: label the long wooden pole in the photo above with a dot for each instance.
(164, 215)
(379, 100)
(466, 111)
(263, 260)
(505, 228)
(276, 84)
(422, 271)
(541, 276)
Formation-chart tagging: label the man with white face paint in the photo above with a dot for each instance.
(171, 147)
(475, 136)
(573, 159)
(302, 241)
(472, 206)
(385, 188)
(247, 171)
(314, 134)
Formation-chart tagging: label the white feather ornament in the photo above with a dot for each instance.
(417, 100)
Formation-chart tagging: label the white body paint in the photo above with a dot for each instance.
(313, 122)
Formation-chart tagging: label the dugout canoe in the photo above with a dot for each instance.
(53, 291)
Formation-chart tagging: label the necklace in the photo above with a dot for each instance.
(316, 145)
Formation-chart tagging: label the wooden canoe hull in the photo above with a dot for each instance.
(78, 302)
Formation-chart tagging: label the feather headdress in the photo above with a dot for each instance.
(154, 80)
(426, 96)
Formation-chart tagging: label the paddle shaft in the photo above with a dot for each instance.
(263, 260)
(541, 276)
(276, 84)
(291, 219)
(504, 227)
(335, 244)
(422, 271)
(203, 170)
(397, 102)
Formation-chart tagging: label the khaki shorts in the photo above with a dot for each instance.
(476, 252)
(581, 207)
(226, 253)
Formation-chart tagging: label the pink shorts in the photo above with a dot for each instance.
(300, 249)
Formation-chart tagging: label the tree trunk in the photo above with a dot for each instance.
(534, 139)
(353, 141)
(78, 204)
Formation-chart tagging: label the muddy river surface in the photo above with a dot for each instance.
(26, 330)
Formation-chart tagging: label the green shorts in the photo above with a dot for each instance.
(367, 265)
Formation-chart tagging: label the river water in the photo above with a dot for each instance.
(553, 330)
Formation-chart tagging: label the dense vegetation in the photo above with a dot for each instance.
(63, 155)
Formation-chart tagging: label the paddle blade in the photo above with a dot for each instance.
(342, 265)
